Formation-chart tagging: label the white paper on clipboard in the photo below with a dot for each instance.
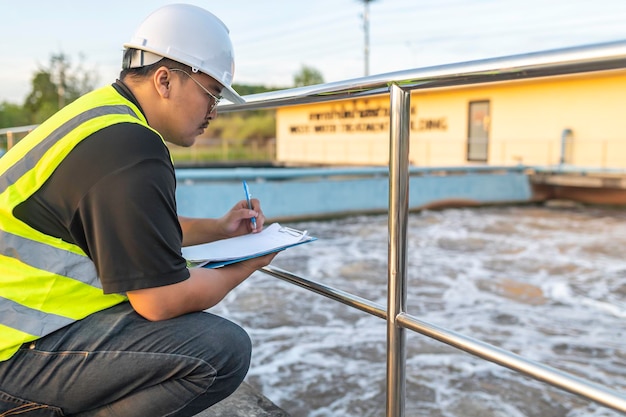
(272, 238)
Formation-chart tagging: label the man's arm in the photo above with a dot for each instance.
(205, 287)
(202, 290)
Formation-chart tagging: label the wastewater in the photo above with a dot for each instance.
(546, 283)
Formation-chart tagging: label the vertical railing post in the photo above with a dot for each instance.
(399, 110)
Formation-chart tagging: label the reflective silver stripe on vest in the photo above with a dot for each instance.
(29, 320)
(40, 255)
(32, 157)
(35, 253)
(49, 258)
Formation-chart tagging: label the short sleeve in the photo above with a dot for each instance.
(114, 196)
(127, 220)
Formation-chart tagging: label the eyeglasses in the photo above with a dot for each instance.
(216, 99)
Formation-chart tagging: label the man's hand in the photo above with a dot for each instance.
(235, 222)
(238, 220)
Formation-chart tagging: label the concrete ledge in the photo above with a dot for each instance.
(586, 188)
(587, 180)
(245, 402)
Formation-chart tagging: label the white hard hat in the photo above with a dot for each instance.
(192, 36)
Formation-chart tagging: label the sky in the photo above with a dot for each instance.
(274, 39)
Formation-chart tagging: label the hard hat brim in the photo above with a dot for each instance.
(147, 56)
(192, 36)
(231, 95)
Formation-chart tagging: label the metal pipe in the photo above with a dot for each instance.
(566, 134)
(332, 293)
(602, 56)
(559, 379)
(552, 376)
(606, 56)
(10, 133)
(239, 173)
(400, 103)
(17, 129)
(595, 57)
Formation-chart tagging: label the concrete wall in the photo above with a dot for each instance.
(291, 193)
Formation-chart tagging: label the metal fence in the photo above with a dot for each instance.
(10, 136)
(398, 85)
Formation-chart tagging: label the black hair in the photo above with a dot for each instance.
(146, 70)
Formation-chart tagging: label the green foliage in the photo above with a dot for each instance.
(240, 127)
(260, 127)
(42, 102)
(307, 76)
(220, 152)
(246, 135)
(55, 86)
(238, 136)
(245, 90)
(12, 115)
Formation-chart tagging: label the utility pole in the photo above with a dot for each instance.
(58, 67)
(366, 31)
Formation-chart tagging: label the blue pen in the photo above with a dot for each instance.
(247, 192)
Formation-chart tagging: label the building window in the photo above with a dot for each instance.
(478, 131)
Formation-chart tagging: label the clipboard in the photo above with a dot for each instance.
(272, 238)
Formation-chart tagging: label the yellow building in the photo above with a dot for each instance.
(577, 119)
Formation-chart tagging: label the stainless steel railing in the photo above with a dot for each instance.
(398, 85)
(611, 55)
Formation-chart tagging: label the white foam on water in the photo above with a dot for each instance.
(547, 284)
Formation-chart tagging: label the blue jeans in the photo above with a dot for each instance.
(116, 363)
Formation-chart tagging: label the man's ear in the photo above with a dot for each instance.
(162, 78)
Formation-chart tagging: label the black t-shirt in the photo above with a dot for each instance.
(114, 196)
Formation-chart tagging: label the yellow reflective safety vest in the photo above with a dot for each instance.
(46, 283)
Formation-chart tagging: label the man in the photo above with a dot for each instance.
(99, 315)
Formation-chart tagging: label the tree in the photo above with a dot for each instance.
(57, 85)
(307, 76)
(42, 101)
(245, 89)
(12, 115)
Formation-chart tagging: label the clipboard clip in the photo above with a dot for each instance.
(294, 232)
